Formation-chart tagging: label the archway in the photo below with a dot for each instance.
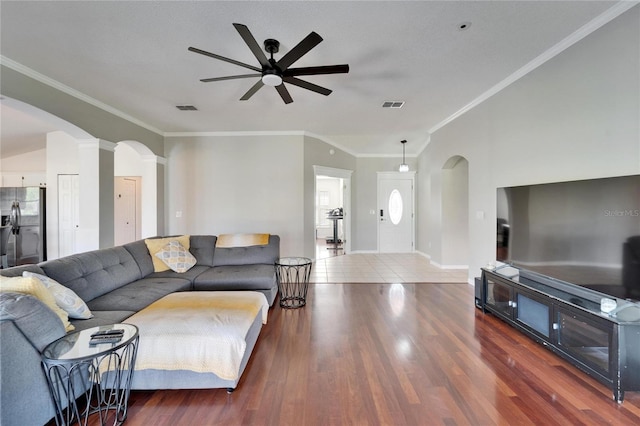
(135, 160)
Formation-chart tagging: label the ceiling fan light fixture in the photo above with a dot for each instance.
(272, 80)
(273, 73)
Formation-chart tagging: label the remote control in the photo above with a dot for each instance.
(114, 332)
(105, 339)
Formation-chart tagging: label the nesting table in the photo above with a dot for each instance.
(73, 366)
(293, 275)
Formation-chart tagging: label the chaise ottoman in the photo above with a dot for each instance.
(193, 340)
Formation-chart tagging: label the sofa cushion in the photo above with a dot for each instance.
(102, 318)
(203, 249)
(138, 294)
(236, 277)
(176, 257)
(32, 317)
(155, 245)
(17, 271)
(27, 326)
(262, 254)
(140, 253)
(94, 273)
(65, 298)
(190, 275)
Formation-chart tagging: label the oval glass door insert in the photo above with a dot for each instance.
(395, 207)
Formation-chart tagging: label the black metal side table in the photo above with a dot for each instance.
(293, 280)
(104, 371)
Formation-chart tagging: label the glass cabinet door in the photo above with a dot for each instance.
(499, 297)
(586, 340)
(533, 313)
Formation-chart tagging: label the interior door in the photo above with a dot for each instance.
(395, 214)
(68, 213)
(125, 214)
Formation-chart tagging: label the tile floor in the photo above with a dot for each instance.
(382, 268)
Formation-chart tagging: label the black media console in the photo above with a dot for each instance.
(568, 320)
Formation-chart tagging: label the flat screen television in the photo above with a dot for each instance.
(583, 232)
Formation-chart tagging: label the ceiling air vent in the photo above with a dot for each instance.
(186, 108)
(393, 104)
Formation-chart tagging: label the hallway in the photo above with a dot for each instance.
(382, 268)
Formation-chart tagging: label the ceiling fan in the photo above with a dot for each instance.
(276, 73)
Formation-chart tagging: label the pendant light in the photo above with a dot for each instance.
(404, 167)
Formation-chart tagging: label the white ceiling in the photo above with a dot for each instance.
(133, 57)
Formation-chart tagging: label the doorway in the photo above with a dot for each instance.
(332, 211)
(126, 209)
(396, 218)
(68, 213)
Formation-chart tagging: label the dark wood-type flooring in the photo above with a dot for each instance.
(391, 354)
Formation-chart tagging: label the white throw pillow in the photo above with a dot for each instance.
(65, 298)
(154, 245)
(176, 257)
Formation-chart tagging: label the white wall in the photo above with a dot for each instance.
(62, 158)
(236, 184)
(28, 169)
(575, 117)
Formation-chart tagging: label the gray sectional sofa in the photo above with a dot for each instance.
(115, 283)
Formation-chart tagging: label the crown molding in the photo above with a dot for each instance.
(302, 133)
(97, 143)
(22, 69)
(331, 142)
(155, 159)
(591, 26)
(234, 133)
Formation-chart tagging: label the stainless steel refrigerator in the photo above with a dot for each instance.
(22, 230)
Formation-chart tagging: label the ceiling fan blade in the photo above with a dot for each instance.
(222, 58)
(252, 91)
(306, 85)
(252, 43)
(327, 69)
(308, 43)
(229, 77)
(284, 94)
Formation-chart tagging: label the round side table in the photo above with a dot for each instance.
(293, 280)
(104, 371)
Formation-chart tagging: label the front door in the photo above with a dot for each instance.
(395, 212)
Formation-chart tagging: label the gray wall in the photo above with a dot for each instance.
(365, 199)
(106, 181)
(318, 153)
(95, 121)
(236, 184)
(575, 117)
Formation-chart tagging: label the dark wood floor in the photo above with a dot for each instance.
(390, 354)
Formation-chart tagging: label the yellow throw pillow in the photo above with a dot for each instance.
(242, 240)
(154, 245)
(33, 287)
(65, 298)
